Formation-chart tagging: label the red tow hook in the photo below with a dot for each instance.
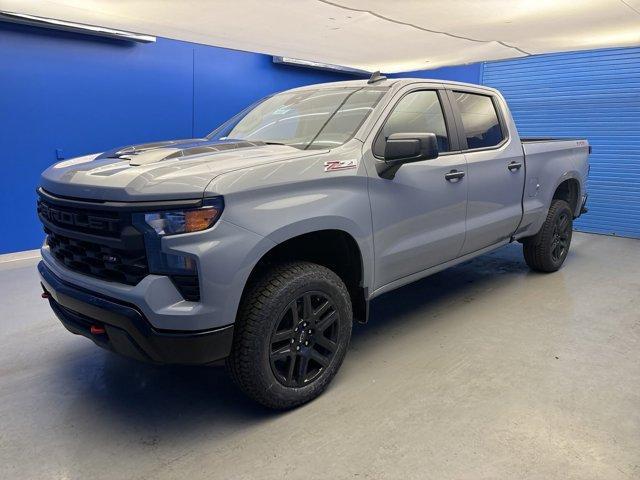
(45, 295)
(97, 330)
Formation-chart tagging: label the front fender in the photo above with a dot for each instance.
(332, 222)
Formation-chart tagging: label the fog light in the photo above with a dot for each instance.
(179, 263)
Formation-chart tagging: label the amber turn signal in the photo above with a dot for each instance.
(196, 220)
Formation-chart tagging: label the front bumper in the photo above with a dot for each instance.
(126, 330)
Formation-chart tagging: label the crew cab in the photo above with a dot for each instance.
(263, 242)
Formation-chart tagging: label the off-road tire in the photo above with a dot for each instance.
(547, 250)
(267, 300)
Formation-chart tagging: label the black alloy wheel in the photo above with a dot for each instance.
(291, 334)
(304, 340)
(547, 250)
(561, 237)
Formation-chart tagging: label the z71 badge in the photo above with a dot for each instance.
(335, 165)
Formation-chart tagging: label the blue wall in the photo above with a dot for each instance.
(470, 73)
(84, 94)
(591, 94)
(80, 94)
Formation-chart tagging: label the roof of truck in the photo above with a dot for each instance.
(397, 82)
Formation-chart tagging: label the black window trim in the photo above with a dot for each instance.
(462, 136)
(447, 112)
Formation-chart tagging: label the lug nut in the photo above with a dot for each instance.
(298, 347)
(306, 343)
(292, 340)
(309, 331)
(295, 329)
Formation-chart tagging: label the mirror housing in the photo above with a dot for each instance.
(401, 148)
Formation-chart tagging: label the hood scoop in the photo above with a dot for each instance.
(150, 156)
(156, 152)
(218, 147)
(174, 170)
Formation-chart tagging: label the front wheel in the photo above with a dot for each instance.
(548, 249)
(291, 334)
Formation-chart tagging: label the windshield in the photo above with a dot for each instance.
(306, 119)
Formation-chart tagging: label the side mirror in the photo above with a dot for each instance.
(401, 148)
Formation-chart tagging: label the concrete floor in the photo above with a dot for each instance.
(484, 371)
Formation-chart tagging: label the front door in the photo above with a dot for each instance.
(418, 216)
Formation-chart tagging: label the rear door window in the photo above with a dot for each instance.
(479, 119)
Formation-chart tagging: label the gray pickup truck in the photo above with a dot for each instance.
(264, 241)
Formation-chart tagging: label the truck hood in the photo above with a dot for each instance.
(175, 169)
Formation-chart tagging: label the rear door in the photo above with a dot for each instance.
(418, 216)
(495, 168)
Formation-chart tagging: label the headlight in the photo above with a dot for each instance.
(172, 222)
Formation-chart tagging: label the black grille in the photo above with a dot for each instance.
(100, 243)
(104, 223)
(188, 285)
(98, 260)
(101, 240)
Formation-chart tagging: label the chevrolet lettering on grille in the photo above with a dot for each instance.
(61, 217)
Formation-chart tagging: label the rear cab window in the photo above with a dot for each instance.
(480, 119)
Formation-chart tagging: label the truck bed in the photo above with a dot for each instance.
(546, 139)
(532, 145)
(549, 161)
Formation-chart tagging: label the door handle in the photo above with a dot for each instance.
(513, 166)
(453, 176)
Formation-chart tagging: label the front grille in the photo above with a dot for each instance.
(93, 241)
(97, 260)
(104, 223)
(102, 241)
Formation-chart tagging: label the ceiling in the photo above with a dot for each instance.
(387, 35)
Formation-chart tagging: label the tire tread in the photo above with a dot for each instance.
(536, 249)
(249, 331)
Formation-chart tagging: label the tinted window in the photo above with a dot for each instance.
(309, 118)
(480, 120)
(416, 112)
(347, 119)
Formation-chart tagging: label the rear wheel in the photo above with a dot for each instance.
(291, 334)
(548, 249)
